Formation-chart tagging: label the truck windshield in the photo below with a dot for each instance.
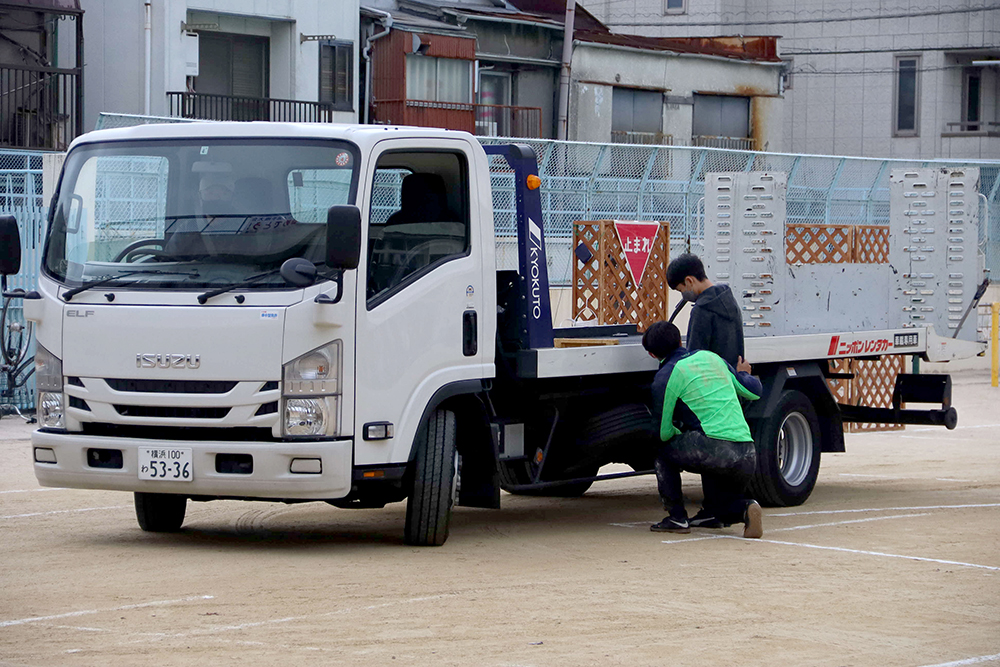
(194, 213)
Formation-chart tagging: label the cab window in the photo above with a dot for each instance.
(419, 218)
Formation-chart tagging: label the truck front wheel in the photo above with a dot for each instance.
(160, 512)
(435, 479)
(788, 452)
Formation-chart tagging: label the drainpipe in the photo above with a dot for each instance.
(564, 74)
(148, 29)
(366, 54)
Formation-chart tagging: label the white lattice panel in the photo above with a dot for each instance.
(933, 222)
(745, 244)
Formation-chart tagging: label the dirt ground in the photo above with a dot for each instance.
(894, 560)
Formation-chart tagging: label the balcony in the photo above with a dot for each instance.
(736, 143)
(40, 107)
(233, 107)
(486, 120)
(972, 128)
(648, 138)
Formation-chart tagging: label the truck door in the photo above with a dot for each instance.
(420, 320)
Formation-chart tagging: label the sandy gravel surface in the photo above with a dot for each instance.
(895, 560)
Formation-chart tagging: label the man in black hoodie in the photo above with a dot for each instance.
(716, 325)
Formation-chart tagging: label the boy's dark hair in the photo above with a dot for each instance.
(661, 338)
(683, 266)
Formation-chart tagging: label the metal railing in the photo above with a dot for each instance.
(734, 143)
(234, 107)
(503, 120)
(40, 107)
(644, 138)
(485, 120)
(974, 127)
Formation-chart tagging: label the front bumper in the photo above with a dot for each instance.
(271, 478)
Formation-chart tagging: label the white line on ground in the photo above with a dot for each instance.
(842, 523)
(968, 661)
(695, 539)
(82, 509)
(30, 490)
(888, 509)
(874, 553)
(957, 428)
(141, 605)
(936, 479)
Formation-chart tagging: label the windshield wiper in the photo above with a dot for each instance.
(69, 294)
(295, 271)
(202, 298)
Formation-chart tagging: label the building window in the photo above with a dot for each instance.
(675, 6)
(438, 79)
(231, 64)
(336, 74)
(972, 86)
(636, 116)
(906, 115)
(722, 121)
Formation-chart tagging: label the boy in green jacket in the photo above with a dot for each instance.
(704, 431)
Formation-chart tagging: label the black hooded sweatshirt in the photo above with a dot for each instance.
(716, 324)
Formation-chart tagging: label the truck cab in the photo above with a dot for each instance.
(258, 310)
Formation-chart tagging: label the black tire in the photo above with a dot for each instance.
(428, 509)
(788, 452)
(624, 434)
(160, 512)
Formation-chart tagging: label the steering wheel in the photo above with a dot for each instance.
(413, 253)
(128, 254)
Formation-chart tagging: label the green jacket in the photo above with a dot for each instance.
(710, 389)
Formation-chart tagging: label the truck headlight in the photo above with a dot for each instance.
(311, 391)
(49, 385)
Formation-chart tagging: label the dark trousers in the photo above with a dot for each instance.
(725, 469)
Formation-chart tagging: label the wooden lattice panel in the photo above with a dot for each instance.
(874, 380)
(871, 244)
(841, 388)
(819, 244)
(872, 386)
(603, 289)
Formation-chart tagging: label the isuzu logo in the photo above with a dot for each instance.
(167, 360)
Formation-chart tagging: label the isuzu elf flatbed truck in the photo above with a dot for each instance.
(294, 312)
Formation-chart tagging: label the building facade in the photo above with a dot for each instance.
(861, 78)
(289, 60)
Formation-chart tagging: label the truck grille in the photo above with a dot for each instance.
(169, 412)
(172, 386)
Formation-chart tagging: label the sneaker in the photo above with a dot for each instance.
(706, 519)
(669, 525)
(753, 525)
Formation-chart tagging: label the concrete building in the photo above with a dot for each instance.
(495, 69)
(222, 59)
(719, 91)
(861, 78)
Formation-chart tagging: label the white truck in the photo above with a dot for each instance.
(231, 311)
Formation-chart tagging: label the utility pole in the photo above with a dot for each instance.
(564, 74)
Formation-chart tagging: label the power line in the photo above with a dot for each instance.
(907, 15)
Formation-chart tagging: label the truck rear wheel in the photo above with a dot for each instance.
(435, 479)
(160, 512)
(788, 452)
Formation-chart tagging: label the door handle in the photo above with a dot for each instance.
(470, 333)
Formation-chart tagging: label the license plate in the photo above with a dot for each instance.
(165, 464)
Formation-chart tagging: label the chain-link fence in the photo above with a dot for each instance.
(580, 181)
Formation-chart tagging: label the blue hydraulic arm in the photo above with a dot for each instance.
(532, 268)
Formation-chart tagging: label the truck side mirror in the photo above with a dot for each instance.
(343, 237)
(10, 246)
